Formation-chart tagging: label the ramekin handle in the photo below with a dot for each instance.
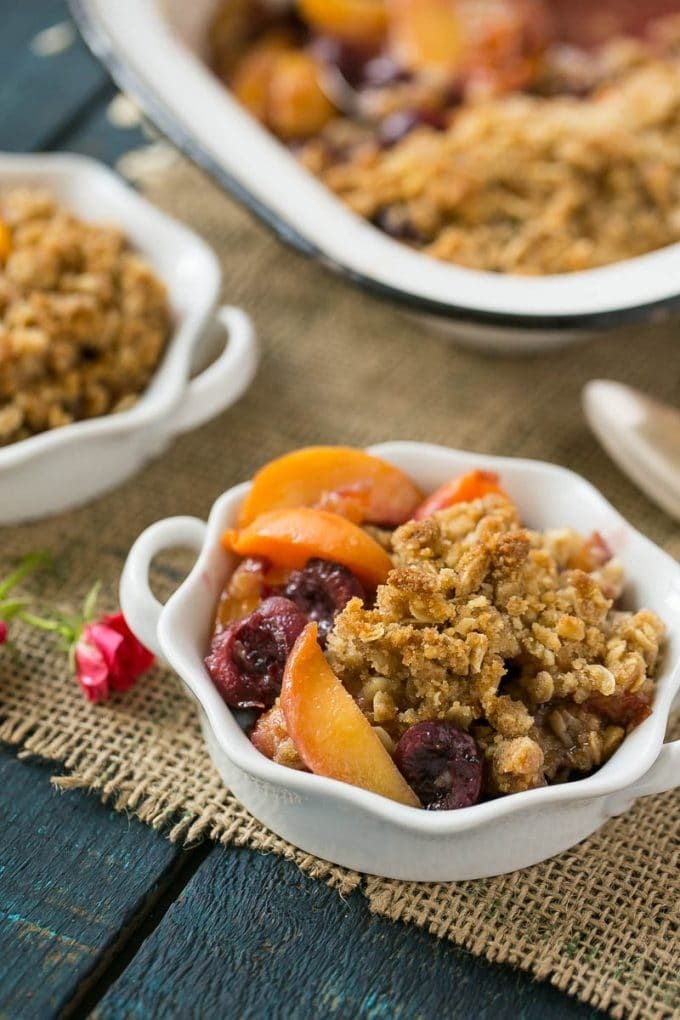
(664, 775)
(226, 379)
(140, 606)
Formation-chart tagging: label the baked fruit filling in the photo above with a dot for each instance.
(514, 136)
(440, 655)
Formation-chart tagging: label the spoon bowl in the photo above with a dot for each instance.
(641, 435)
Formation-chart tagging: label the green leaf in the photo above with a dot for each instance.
(91, 601)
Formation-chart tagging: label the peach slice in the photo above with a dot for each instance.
(246, 589)
(270, 731)
(357, 21)
(290, 537)
(298, 107)
(592, 555)
(272, 739)
(465, 489)
(369, 488)
(5, 241)
(426, 34)
(251, 80)
(501, 40)
(332, 735)
(280, 86)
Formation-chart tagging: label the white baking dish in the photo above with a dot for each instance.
(67, 466)
(154, 49)
(362, 830)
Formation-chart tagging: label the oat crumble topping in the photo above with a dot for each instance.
(83, 318)
(541, 155)
(508, 633)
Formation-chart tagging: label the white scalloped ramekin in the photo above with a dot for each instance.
(362, 830)
(67, 466)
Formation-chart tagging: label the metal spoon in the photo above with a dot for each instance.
(641, 435)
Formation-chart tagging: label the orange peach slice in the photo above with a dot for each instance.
(332, 735)
(290, 537)
(369, 488)
(251, 81)
(5, 241)
(298, 107)
(502, 39)
(272, 739)
(465, 489)
(246, 589)
(280, 86)
(358, 21)
(269, 732)
(592, 555)
(426, 34)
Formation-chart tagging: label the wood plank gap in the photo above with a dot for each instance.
(101, 96)
(123, 950)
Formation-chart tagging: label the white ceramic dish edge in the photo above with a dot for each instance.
(358, 829)
(64, 467)
(140, 39)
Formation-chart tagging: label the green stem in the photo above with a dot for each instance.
(27, 564)
(12, 607)
(40, 623)
(65, 630)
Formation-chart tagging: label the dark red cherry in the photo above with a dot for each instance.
(441, 763)
(247, 659)
(321, 590)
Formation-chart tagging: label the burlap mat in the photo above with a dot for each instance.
(601, 921)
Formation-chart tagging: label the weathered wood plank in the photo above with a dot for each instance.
(252, 936)
(96, 136)
(74, 875)
(41, 95)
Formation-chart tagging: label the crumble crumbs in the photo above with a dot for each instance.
(83, 318)
(509, 633)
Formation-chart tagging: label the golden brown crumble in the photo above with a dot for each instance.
(548, 158)
(529, 184)
(501, 631)
(83, 318)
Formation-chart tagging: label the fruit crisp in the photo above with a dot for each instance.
(513, 136)
(508, 633)
(83, 318)
(434, 650)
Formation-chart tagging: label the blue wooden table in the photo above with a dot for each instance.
(100, 915)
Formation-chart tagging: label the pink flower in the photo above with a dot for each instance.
(3, 632)
(109, 657)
